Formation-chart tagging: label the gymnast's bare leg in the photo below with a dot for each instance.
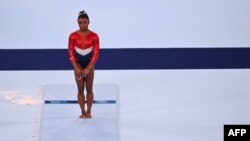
(90, 93)
(80, 96)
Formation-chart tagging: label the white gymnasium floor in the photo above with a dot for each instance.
(176, 105)
(61, 122)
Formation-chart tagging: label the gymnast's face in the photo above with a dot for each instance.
(83, 24)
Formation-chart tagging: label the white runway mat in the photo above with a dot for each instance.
(59, 120)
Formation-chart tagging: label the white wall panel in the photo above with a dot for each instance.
(127, 23)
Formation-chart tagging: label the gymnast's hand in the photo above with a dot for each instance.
(85, 72)
(78, 73)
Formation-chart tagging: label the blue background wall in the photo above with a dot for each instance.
(116, 59)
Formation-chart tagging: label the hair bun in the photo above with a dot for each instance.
(82, 12)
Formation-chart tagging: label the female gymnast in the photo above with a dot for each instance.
(83, 48)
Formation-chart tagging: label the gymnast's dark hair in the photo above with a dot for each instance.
(83, 14)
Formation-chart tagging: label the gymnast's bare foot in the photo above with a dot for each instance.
(83, 116)
(88, 115)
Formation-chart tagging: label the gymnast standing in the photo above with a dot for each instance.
(83, 48)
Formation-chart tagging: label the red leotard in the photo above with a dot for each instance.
(91, 40)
